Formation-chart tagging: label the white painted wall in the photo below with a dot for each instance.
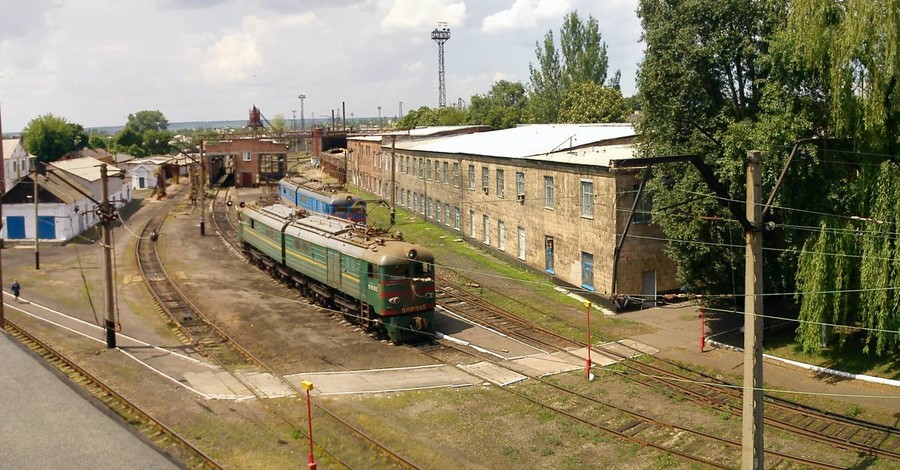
(68, 223)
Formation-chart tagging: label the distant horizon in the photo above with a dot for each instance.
(182, 125)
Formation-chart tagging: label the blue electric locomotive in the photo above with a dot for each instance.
(316, 196)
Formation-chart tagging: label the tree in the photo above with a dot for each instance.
(156, 142)
(127, 140)
(49, 137)
(98, 141)
(147, 120)
(700, 95)
(502, 107)
(721, 77)
(278, 124)
(590, 102)
(583, 60)
(426, 116)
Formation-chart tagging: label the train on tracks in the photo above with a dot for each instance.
(379, 281)
(316, 196)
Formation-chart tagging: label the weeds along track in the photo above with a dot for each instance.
(690, 445)
(161, 435)
(667, 377)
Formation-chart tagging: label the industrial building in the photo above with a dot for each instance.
(543, 195)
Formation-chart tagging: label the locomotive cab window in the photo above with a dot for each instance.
(395, 272)
(423, 270)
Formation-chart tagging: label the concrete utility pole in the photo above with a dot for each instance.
(202, 192)
(393, 179)
(752, 430)
(37, 223)
(2, 192)
(107, 214)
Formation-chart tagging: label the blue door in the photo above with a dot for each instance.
(47, 227)
(15, 228)
(548, 254)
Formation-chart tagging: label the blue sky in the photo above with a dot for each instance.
(95, 61)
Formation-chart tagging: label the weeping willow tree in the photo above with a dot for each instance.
(880, 266)
(853, 46)
(826, 276)
(844, 56)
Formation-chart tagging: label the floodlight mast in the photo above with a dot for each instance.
(440, 35)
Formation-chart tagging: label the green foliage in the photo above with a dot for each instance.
(144, 134)
(278, 124)
(583, 60)
(97, 141)
(49, 137)
(589, 102)
(501, 108)
(852, 48)
(426, 116)
(147, 120)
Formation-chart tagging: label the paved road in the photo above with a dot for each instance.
(44, 423)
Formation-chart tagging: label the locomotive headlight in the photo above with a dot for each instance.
(411, 254)
(394, 300)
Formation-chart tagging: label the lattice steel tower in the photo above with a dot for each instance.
(440, 35)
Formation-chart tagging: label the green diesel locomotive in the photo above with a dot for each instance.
(378, 281)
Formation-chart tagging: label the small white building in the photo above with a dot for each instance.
(16, 163)
(63, 211)
(86, 172)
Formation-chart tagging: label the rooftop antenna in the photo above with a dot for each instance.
(440, 35)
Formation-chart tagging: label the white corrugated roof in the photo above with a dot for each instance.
(86, 167)
(536, 140)
(366, 138)
(435, 130)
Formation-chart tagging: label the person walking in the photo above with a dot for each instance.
(16, 288)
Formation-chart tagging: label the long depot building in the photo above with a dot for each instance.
(542, 195)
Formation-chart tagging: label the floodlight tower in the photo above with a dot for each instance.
(440, 35)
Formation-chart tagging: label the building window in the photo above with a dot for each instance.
(587, 199)
(415, 205)
(247, 156)
(456, 218)
(486, 228)
(521, 231)
(587, 271)
(447, 214)
(472, 225)
(437, 171)
(422, 168)
(501, 235)
(472, 177)
(446, 173)
(402, 196)
(408, 198)
(485, 184)
(455, 174)
(501, 183)
(428, 212)
(437, 210)
(548, 192)
(407, 166)
(643, 212)
(520, 187)
(428, 169)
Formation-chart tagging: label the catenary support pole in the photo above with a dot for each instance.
(106, 214)
(202, 191)
(752, 424)
(37, 222)
(393, 180)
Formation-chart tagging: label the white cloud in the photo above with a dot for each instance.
(232, 59)
(422, 14)
(525, 14)
(414, 67)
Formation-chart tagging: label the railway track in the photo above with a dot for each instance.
(842, 432)
(161, 435)
(226, 226)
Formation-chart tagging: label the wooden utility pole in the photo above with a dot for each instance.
(107, 214)
(752, 429)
